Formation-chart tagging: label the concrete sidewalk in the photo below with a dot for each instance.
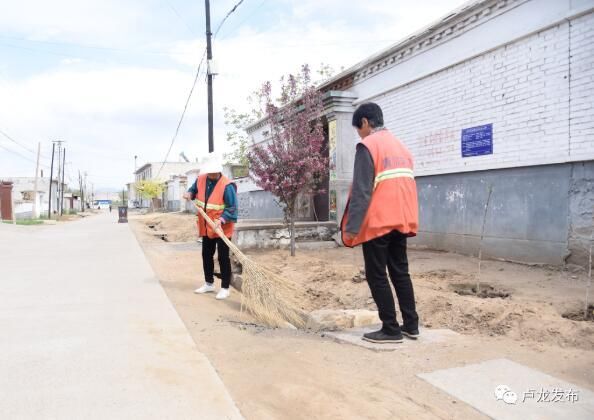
(88, 332)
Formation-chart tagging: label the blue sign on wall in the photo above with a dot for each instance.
(477, 141)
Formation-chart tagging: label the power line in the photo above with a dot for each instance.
(21, 156)
(181, 119)
(20, 144)
(245, 20)
(16, 142)
(37, 50)
(192, 90)
(180, 17)
(226, 16)
(83, 46)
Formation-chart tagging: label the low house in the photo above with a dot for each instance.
(26, 203)
(71, 203)
(162, 172)
(191, 177)
(132, 195)
(175, 188)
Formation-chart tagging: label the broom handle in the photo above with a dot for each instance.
(240, 255)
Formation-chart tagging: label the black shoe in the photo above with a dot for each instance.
(411, 333)
(381, 337)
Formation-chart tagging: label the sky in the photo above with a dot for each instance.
(110, 78)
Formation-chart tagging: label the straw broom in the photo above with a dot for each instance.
(266, 295)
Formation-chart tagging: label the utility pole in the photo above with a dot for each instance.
(35, 195)
(82, 194)
(59, 177)
(49, 210)
(86, 190)
(209, 76)
(63, 172)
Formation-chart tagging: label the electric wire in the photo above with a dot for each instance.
(192, 90)
(81, 46)
(182, 20)
(22, 156)
(22, 145)
(16, 142)
(248, 17)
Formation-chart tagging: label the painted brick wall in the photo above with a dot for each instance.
(582, 86)
(528, 90)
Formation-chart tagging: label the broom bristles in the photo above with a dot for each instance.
(269, 297)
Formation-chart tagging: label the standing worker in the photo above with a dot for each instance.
(381, 213)
(217, 195)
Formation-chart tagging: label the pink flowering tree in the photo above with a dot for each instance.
(294, 161)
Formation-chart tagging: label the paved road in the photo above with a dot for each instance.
(87, 332)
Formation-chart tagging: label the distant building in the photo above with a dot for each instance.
(163, 173)
(153, 170)
(72, 203)
(112, 196)
(23, 195)
(132, 195)
(174, 190)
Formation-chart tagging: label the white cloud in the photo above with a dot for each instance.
(100, 22)
(105, 116)
(108, 113)
(70, 61)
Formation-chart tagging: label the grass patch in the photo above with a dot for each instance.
(25, 222)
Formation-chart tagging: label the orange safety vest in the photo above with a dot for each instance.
(214, 206)
(393, 204)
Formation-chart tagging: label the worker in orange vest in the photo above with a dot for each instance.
(217, 195)
(381, 213)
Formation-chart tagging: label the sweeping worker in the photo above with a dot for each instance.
(217, 195)
(382, 212)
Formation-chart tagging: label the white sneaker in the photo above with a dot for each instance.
(223, 294)
(207, 288)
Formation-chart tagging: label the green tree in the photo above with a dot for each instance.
(237, 138)
(149, 189)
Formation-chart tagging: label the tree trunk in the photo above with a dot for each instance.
(292, 229)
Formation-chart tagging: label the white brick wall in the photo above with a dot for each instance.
(582, 87)
(523, 89)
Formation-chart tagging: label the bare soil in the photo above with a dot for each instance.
(180, 227)
(274, 373)
(581, 314)
(521, 302)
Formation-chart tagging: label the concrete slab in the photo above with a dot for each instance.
(88, 332)
(353, 336)
(518, 388)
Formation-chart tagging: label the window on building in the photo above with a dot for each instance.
(27, 195)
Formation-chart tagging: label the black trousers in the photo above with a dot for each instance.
(390, 251)
(209, 246)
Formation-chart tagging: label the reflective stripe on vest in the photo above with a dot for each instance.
(214, 206)
(393, 206)
(393, 173)
(210, 206)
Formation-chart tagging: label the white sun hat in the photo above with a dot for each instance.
(211, 164)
